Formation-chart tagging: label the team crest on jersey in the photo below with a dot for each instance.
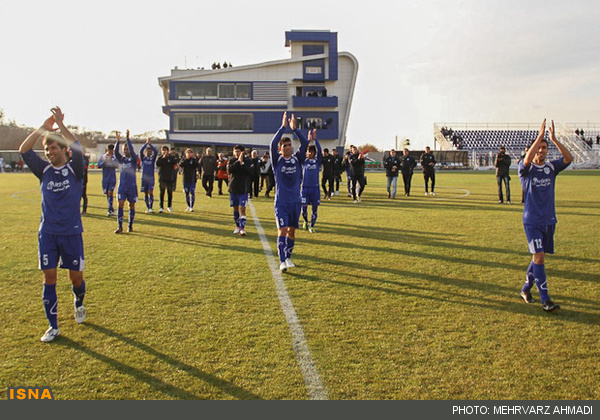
(65, 172)
(547, 170)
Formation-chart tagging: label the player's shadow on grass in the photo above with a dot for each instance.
(156, 383)
(506, 301)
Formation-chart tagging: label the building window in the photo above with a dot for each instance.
(213, 122)
(314, 70)
(213, 90)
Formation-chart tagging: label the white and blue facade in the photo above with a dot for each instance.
(244, 105)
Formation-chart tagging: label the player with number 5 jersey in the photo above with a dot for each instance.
(60, 233)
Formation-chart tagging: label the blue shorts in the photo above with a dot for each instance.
(540, 238)
(287, 214)
(147, 185)
(130, 195)
(311, 196)
(69, 248)
(190, 188)
(108, 185)
(238, 200)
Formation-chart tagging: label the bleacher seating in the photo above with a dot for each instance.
(485, 141)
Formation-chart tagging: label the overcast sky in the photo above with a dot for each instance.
(420, 62)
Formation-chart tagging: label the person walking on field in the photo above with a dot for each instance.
(60, 233)
(538, 179)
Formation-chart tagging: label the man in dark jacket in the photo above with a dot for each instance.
(208, 167)
(502, 165)
(357, 172)
(327, 177)
(428, 164)
(407, 165)
(167, 169)
(392, 166)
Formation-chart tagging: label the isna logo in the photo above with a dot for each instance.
(30, 393)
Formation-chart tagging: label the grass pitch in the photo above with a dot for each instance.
(413, 298)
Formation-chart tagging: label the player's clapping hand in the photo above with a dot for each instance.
(284, 122)
(293, 122)
(58, 115)
(49, 123)
(118, 134)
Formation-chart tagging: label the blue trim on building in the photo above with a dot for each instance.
(311, 77)
(315, 101)
(318, 36)
(173, 90)
(269, 122)
(232, 108)
(313, 50)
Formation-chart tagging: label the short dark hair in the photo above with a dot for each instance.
(312, 148)
(239, 147)
(284, 140)
(111, 147)
(326, 150)
(164, 148)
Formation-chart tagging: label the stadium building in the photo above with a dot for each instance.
(243, 105)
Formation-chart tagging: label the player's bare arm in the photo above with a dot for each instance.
(32, 139)
(533, 149)
(567, 156)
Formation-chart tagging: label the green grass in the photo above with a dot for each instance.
(413, 298)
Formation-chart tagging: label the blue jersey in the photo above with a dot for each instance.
(148, 163)
(109, 167)
(288, 172)
(311, 168)
(127, 180)
(61, 190)
(538, 183)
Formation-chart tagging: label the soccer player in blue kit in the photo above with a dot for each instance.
(127, 182)
(60, 233)
(108, 163)
(310, 181)
(287, 168)
(148, 154)
(538, 178)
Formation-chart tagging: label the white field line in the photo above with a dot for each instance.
(314, 386)
(466, 193)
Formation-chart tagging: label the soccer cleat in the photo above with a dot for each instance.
(50, 334)
(432, 193)
(242, 232)
(389, 195)
(289, 263)
(79, 314)
(527, 297)
(187, 209)
(160, 210)
(426, 193)
(508, 202)
(311, 230)
(355, 201)
(150, 211)
(500, 202)
(119, 230)
(130, 229)
(550, 306)
(304, 226)
(359, 200)
(169, 209)
(349, 195)
(283, 267)
(191, 209)
(236, 231)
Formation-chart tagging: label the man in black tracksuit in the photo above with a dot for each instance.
(337, 170)
(167, 169)
(407, 165)
(239, 169)
(427, 163)
(356, 161)
(327, 177)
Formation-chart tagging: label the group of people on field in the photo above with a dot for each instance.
(62, 177)
(405, 164)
